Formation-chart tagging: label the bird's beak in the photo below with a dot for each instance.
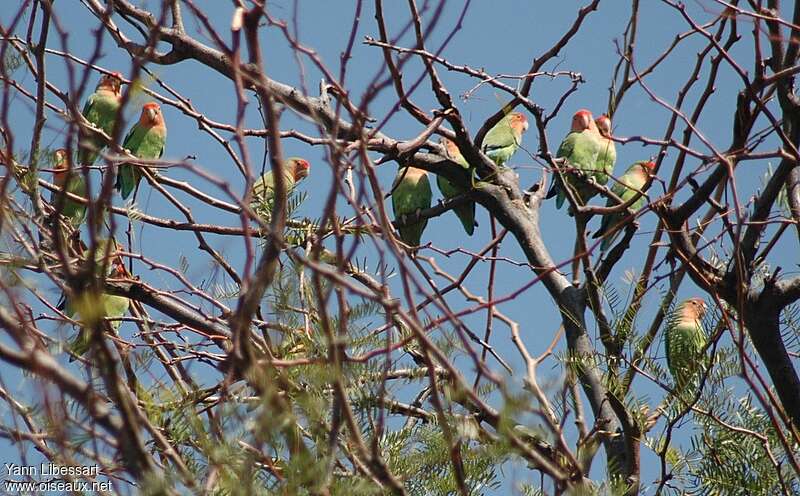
(525, 125)
(151, 114)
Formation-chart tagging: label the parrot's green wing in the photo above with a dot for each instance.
(629, 185)
(73, 210)
(264, 186)
(115, 307)
(564, 151)
(465, 212)
(101, 110)
(684, 342)
(411, 194)
(500, 144)
(460, 160)
(144, 143)
(580, 150)
(89, 309)
(606, 158)
(566, 146)
(611, 220)
(127, 178)
(264, 193)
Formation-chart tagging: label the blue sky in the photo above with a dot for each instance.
(500, 37)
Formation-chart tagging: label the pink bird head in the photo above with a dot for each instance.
(451, 147)
(111, 82)
(649, 167)
(300, 168)
(604, 125)
(60, 159)
(60, 166)
(118, 268)
(518, 122)
(151, 115)
(694, 308)
(582, 120)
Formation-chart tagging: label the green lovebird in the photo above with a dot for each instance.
(636, 178)
(91, 308)
(504, 138)
(146, 140)
(295, 169)
(608, 152)
(71, 181)
(465, 212)
(411, 193)
(101, 110)
(685, 340)
(581, 147)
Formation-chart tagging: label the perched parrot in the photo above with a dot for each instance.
(146, 140)
(636, 178)
(608, 152)
(581, 148)
(74, 211)
(101, 110)
(504, 138)
(295, 169)
(466, 211)
(91, 307)
(685, 340)
(411, 193)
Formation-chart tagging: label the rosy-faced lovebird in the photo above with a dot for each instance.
(580, 148)
(466, 211)
(146, 140)
(71, 181)
(684, 340)
(295, 169)
(411, 193)
(504, 138)
(635, 179)
(608, 152)
(91, 308)
(101, 110)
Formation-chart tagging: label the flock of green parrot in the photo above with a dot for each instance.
(412, 193)
(586, 159)
(587, 151)
(145, 140)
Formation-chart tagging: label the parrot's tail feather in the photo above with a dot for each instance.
(469, 229)
(603, 229)
(553, 190)
(560, 200)
(606, 244)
